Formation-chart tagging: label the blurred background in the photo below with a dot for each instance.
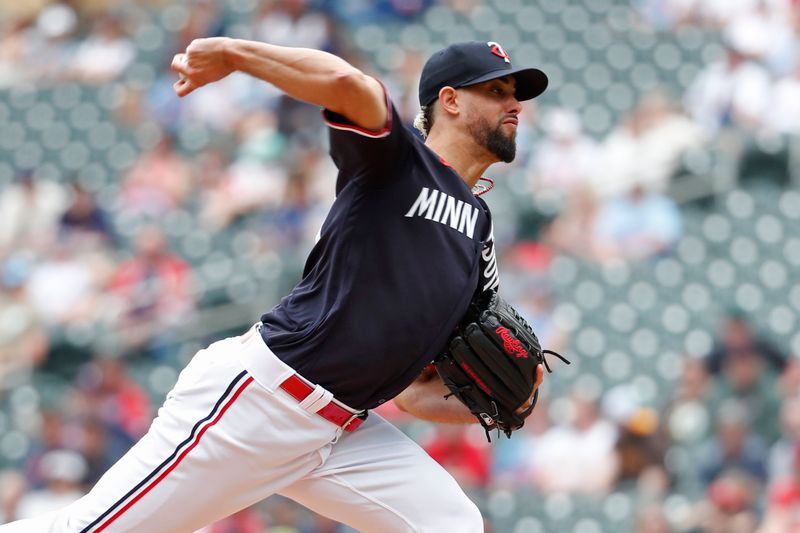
(648, 230)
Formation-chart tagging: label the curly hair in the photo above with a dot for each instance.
(424, 120)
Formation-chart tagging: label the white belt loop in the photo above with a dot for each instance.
(318, 399)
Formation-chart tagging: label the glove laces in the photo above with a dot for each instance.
(551, 352)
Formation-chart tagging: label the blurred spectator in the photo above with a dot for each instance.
(734, 447)
(110, 395)
(636, 226)
(255, 180)
(737, 338)
(454, 447)
(29, 212)
(729, 506)
(51, 436)
(260, 140)
(782, 453)
(153, 289)
(403, 85)
(64, 286)
(746, 378)
(646, 147)
(687, 417)
(782, 512)
(288, 221)
(83, 223)
(14, 44)
(785, 102)
(158, 182)
(243, 95)
(52, 47)
(652, 519)
(294, 23)
(731, 92)
(246, 187)
(577, 456)
(572, 231)
(566, 160)
(12, 488)
(535, 302)
(640, 445)
(375, 12)
(105, 53)
(64, 471)
(205, 19)
(764, 29)
(790, 378)
(100, 443)
(23, 338)
(512, 458)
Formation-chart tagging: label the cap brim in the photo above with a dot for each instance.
(531, 82)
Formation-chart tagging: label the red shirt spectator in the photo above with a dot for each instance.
(468, 462)
(155, 282)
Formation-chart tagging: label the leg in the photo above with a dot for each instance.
(377, 480)
(220, 443)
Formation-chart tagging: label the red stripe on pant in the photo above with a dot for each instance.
(174, 465)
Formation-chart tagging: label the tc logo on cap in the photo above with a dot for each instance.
(498, 51)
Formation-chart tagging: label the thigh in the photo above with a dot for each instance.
(378, 480)
(220, 443)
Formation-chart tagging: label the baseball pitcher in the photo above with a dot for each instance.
(403, 278)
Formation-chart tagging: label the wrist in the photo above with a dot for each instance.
(230, 53)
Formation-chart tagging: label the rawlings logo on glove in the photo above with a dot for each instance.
(511, 345)
(490, 364)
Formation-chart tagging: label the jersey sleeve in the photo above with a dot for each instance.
(365, 154)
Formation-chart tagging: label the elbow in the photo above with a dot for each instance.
(348, 78)
(403, 402)
(360, 98)
(348, 83)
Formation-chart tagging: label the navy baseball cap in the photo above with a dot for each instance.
(471, 62)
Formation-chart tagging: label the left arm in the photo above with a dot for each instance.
(425, 399)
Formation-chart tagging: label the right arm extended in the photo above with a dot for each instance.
(309, 75)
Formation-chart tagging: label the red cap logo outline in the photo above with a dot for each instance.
(499, 51)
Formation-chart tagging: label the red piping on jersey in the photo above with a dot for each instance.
(479, 193)
(487, 189)
(383, 132)
(174, 465)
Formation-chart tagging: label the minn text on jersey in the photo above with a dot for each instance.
(444, 209)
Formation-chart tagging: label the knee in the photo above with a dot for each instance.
(472, 517)
(461, 514)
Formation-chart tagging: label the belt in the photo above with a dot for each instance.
(347, 420)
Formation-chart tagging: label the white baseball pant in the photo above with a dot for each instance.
(228, 437)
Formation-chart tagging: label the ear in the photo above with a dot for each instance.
(448, 99)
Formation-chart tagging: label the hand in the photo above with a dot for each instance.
(204, 62)
(539, 378)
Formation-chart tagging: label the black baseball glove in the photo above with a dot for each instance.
(490, 364)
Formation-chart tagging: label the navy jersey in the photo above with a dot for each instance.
(399, 257)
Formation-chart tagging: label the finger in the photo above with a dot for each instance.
(539, 374)
(183, 86)
(179, 63)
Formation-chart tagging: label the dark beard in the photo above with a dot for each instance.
(505, 148)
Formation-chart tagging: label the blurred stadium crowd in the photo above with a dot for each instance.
(648, 229)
